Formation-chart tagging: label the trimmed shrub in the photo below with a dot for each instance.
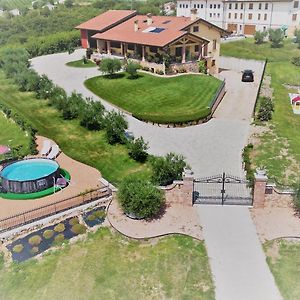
(139, 197)
(93, 116)
(247, 162)
(34, 250)
(73, 221)
(132, 68)
(296, 61)
(35, 240)
(60, 238)
(100, 214)
(296, 198)
(91, 217)
(276, 37)
(266, 109)
(78, 229)
(115, 125)
(59, 227)
(167, 169)
(48, 234)
(260, 36)
(138, 149)
(202, 66)
(18, 248)
(110, 66)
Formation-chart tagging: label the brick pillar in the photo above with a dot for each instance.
(188, 186)
(260, 183)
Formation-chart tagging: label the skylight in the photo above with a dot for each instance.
(157, 30)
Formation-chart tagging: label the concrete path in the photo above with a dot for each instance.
(209, 148)
(237, 259)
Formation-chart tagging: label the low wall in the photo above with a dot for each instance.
(188, 66)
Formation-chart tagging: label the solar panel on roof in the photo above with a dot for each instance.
(157, 30)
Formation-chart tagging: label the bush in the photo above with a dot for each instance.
(48, 234)
(93, 116)
(132, 68)
(139, 197)
(59, 227)
(137, 149)
(34, 250)
(260, 36)
(296, 61)
(89, 53)
(247, 163)
(110, 66)
(91, 217)
(18, 248)
(74, 221)
(115, 125)
(297, 37)
(73, 106)
(202, 66)
(266, 109)
(60, 238)
(99, 214)
(276, 37)
(167, 169)
(78, 229)
(35, 240)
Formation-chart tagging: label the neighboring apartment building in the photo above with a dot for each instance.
(244, 16)
(148, 38)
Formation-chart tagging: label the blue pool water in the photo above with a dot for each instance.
(30, 169)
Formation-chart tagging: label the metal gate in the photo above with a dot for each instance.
(222, 189)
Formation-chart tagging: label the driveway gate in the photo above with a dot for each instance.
(222, 189)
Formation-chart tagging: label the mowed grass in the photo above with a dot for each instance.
(86, 146)
(283, 258)
(158, 99)
(80, 64)
(279, 148)
(11, 4)
(109, 266)
(12, 136)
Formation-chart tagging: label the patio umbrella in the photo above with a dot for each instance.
(4, 149)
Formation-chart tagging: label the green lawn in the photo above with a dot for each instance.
(279, 148)
(284, 260)
(12, 135)
(163, 100)
(79, 64)
(86, 146)
(109, 266)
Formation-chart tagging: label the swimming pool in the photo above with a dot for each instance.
(30, 175)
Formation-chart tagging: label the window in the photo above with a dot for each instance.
(153, 49)
(265, 17)
(235, 15)
(241, 16)
(210, 15)
(218, 15)
(211, 6)
(219, 5)
(130, 47)
(230, 5)
(236, 6)
(213, 62)
(202, 5)
(229, 16)
(294, 17)
(214, 44)
(241, 27)
(242, 5)
(250, 17)
(180, 5)
(196, 48)
(214, 14)
(266, 5)
(264, 28)
(195, 6)
(296, 4)
(198, 5)
(258, 16)
(178, 51)
(196, 29)
(186, 6)
(250, 5)
(215, 6)
(259, 6)
(115, 44)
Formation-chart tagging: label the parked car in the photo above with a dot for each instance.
(129, 135)
(247, 76)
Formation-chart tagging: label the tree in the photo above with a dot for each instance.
(276, 37)
(296, 198)
(137, 149)
(139, 198)
(167, 169)
(93, 116)
(73, 106)
(297, 37)
(132, 68)
(260, 36)
(115, 125)
(110, 66)
(69, 3)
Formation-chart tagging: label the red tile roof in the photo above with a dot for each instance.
(172, 30)
(107, 20)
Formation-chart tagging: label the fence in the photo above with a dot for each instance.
(217, 98)
(53, 208)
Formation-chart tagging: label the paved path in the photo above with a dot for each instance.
(237, 259)
(209, 148)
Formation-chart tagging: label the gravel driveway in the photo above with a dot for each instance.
(209, 148)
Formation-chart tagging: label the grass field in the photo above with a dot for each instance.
(108, 266)
(284, 260)
(86, 146)
(12, 136)
(79, 64)
(158, 99)
(11, 4)
(279, 147)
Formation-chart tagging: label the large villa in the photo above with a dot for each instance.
(152, 40)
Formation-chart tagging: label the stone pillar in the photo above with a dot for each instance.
(108, 47)
(260, 183)
(183, 54)
(188, 186)
(143, 53)
(125, 50)
(98, 46)
(200, 52)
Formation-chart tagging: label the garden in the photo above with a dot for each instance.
(158, 99)
(278, 149)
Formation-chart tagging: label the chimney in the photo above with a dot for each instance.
(149, 19)
(136, 25)
(193, 14)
